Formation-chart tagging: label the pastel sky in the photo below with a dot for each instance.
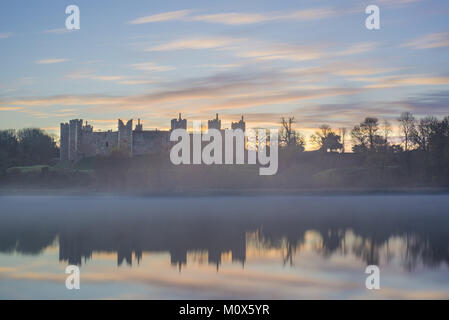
(311, 59)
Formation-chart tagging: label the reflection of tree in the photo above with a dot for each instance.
(371, 234)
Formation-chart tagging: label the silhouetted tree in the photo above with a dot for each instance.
(326, 140)
(407, 123)
(423, 132)
(365, 136)
(342, 133)
(36, 147)
(9, 149)
(289, 137)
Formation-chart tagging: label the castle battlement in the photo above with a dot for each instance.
(79, 140)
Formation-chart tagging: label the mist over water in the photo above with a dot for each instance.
(225, 247)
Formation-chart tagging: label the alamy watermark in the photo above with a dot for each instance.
(373, 280)
(73, 20)
(73, 280)
(372, 22)
(260, 148)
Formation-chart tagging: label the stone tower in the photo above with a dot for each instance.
(125, 137)
(215, 123)
(239, 125)
(179, 123)
(75, 126)
(64, 142)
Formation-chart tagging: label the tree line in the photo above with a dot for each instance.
(25, 147)
(422, 154)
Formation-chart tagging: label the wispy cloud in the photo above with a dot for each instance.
(166, 16)
(429, 41)
(151, 66)
(5, 35)
(405, 80)
(51, 61)
(241, 18)
(196, 43)
(90, 75)
(262, 50)
(57, 31)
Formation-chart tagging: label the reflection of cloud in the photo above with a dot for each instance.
(429, 41)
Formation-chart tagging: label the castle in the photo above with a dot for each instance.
(78, 140)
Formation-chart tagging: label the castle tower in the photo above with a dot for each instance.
(139, 126)
(179, 123)
(125, 137)
(215, 123)
(75, 127)
(64, 142)
(239, 125)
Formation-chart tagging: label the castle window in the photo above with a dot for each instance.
(107, 144)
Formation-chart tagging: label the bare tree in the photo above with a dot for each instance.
(386, 128)
(365, 135)
(407, 123)
(342, 132)
(318, 138)
(289, 136)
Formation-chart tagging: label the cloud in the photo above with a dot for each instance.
(10, 108)
(240, 18)
(233, 18)
(6, 35)
(263, 51)
(167, 16)
(399, 2)
(151, 66)
(135, 82)
(406, 80)
(429, 41)
(57, 31)
(90, 75)
(196, 43)
(51, 61)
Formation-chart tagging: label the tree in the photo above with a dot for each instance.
(331, 143)
(423, 132)
(289, 137)
(365, 135)
(386, 128)
(326, 140)
(9, 149)
(36, 147)
(407, 123)
(317, 138)
(342, 133)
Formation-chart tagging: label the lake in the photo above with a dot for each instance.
(252, 247)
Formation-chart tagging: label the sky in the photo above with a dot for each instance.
(314, 60)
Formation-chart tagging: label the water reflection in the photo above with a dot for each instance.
(375, 229)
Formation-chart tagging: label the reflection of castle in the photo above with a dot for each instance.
(219, 227)
(80, 141)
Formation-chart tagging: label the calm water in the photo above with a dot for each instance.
(225, 247)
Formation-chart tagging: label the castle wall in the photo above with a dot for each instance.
(149, 141)
(98, 143)
(78, 141)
